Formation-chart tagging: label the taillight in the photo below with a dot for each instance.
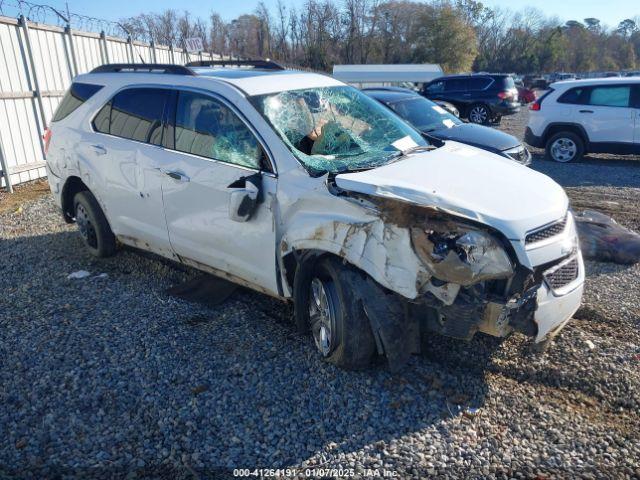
(535, 106)
(503, 95)
(46, 136)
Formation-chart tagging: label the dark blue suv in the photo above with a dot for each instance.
(481, 98)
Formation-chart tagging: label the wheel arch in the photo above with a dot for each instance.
(72, 186)
(558, 127)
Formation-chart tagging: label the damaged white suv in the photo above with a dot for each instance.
(301, 187)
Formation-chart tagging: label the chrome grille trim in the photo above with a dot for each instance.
(546, 231)
(561, 275)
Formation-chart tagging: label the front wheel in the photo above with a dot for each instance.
(479, 113)
(337, 320)
(564, 147)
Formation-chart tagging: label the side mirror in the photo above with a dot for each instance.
(244, 198)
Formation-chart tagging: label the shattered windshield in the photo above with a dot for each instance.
(424, 115)
(337, 129)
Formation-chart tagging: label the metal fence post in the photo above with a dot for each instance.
(171, 53)
(103, 42)
(103, 60)
(72, 50)
(36, 85)
(5, 171)
(130, 43)
(153, 52)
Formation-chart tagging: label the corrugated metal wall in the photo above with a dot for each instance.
(37, 63)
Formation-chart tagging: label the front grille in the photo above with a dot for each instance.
(562, 275)
(548, 231)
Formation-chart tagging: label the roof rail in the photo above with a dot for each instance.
(266, 64)
(143, 68)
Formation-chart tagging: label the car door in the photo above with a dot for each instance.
(210, 154)
(128, 134)
(606, 114)
(635, 102)
(456, 91)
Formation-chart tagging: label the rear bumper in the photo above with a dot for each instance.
(55, 185)
(505, 108)
(531, 139)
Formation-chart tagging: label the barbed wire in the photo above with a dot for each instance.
(55, 15)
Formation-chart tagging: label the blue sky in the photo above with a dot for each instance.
(609, 11)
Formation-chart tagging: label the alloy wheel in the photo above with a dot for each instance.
(322, 315)
(563, 150)
(478, 114)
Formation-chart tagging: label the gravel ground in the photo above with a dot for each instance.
(110, 377)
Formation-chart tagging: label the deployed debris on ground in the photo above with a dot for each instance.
(604, 240)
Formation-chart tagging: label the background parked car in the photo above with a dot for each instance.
(531, 81)
(580, 116)
(525, 95)
(481, 98)
(434, 121)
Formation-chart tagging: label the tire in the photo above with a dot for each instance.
(479, 113)
(93, 226)
(339, 326)
(564, 147)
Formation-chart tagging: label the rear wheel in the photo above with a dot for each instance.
(93, 225)
(479, 113)
(337, 320)
(564, 147)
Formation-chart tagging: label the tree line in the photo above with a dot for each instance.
(460, 35)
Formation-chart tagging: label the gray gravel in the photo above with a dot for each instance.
(104, 377)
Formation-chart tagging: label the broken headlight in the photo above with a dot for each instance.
(462, 257)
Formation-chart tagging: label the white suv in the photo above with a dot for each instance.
(582, 116)
(299, 186)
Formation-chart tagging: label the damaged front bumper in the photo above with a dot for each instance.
(556, 306)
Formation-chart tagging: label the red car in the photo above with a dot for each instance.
(526, 95)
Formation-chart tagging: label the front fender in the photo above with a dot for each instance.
(381, 250)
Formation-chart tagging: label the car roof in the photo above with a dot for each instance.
(390, 95)
(594, 81)
(471, 75)
(251, 81)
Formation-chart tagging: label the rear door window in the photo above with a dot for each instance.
(75, 96)
(456, 84)
(479, 83)
(611, 96)
(208, 128)
(136, 114)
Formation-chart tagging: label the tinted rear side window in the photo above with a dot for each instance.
(574, 96)
(75, 96)
(505, 83)
(456, 84)
(479, 83)
(136, 114)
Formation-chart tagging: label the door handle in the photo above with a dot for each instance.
(175, 175)
(586, 111)
(99, 149)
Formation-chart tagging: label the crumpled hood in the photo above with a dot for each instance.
(469, 182)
